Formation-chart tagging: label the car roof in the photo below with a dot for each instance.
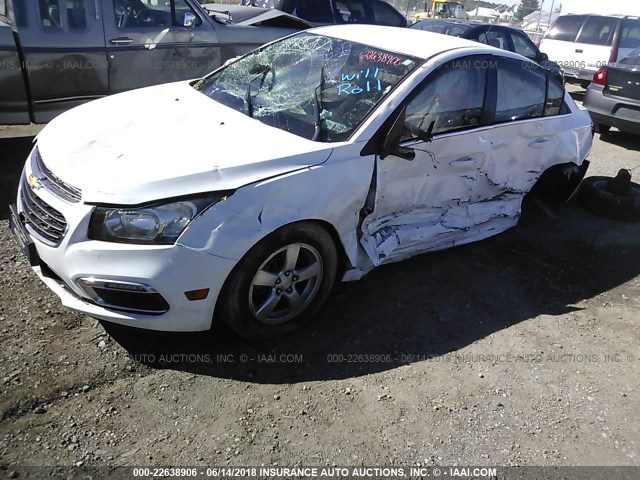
(408, 41)
(471, 24)
(608, 15)
(452, 21)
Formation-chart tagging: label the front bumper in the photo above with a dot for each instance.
(582, 74)
(622, 113)
(168, 271)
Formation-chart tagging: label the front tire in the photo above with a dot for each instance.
(281, 283)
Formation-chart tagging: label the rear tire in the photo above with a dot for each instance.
(595, 196)
(281, 283)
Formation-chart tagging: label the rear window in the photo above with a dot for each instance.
(427, 26)
(3, 8)
(494, 38)
(566, 28)
(598, 31)
(630, 37)
(445, 28)
(633, 59)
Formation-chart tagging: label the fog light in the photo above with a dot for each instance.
(200, 294)
(124, 295)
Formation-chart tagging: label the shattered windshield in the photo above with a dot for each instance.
(316, 87)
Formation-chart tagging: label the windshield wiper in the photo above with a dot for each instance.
(317, 108)
(248, 103)
(262, 71)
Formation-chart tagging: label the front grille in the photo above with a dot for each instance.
(47, 222)
(51, 182)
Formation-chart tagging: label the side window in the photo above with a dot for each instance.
(566, 28)
(52, 12)
(3, 8)
(521, 91)
(20, 12)
(523, 46)
(385, 14)
(598, 31)
(351, 11)
(317, 11)
(150, 13)
(630, 33)
(49, 14)
(453, 99)
(494, 38)
(554, 104)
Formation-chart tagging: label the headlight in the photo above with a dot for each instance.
(157, 224)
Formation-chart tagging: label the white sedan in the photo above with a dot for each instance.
(244, 195)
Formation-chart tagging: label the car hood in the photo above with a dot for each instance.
(247, 15)
(167, 141)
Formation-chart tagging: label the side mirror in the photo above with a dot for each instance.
(543, 57)
(391, 144)
(189, 20)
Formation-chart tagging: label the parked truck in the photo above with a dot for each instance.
(56, 54)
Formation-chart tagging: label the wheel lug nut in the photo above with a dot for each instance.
(278, 291)
(286, 274)
(295, 278)
(289, 290)
(278, 281)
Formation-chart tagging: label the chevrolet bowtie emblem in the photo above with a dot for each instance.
(33, 182)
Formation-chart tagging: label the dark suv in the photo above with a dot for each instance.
(499, 36)
(582, 44)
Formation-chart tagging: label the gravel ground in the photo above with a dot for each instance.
(519, 350)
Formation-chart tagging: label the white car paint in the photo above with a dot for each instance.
(170, 140)
(141, 142)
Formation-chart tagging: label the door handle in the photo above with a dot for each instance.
(121, 41)
(579, 50)
(539, 142)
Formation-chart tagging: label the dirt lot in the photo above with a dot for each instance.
(521, 349)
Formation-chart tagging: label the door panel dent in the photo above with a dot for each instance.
(397, 237)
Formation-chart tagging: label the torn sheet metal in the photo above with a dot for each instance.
(393, 238)
(464, 186)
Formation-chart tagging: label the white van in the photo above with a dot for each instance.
(581, 44)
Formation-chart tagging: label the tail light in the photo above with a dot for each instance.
(600, 77)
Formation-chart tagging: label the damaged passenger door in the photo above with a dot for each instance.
(527, 135)
(427, 184)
